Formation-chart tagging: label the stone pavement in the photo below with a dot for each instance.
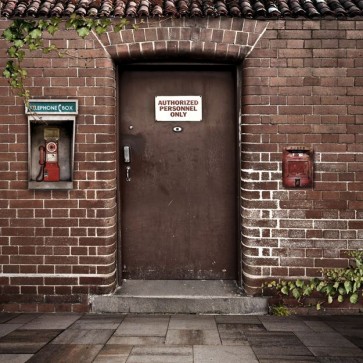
(179, 338)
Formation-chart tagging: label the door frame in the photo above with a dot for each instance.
(237, 70)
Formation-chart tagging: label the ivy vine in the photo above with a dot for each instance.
(25, 34)
(339, 284)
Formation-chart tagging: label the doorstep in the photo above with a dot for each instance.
(179, 297)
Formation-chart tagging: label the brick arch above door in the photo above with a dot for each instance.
(209, 39)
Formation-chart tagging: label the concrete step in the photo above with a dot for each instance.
(178, 297)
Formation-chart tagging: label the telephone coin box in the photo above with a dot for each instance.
(297, 167)
(51, 135)
(49, 166)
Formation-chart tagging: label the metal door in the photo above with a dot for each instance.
(178, 178)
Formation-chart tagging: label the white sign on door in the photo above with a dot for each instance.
(178, 108)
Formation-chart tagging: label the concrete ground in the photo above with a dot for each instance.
(179, 338)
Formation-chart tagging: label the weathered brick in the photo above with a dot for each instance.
(301, 84)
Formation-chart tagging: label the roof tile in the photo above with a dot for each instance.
(313, 9)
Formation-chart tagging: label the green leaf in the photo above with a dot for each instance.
(348, 286)
(33, 47)
(83, 32)
(291, 285)
(7, 34)
(49, 49)
(100, 30)
(52, 29)
(121, 25)
(330, 299)
(20, 55)
(341, 290)
(340, 298)
(23, 73)
(285, 290)
(18, 43)
(6, 73)
(35, 34)
(307, 291)
(354, 298)
(320, 285)
(296, 294)
(12, 51)
(318, 306)
(42, 24)
(299, 283)
(328, 289)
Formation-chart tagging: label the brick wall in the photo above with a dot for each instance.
(302, 84)
(56, 247)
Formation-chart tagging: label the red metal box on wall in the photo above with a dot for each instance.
(297, 167)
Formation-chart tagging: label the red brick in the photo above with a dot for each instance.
(331, 263)
(313, 95)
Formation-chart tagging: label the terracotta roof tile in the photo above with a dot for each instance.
(179, 8)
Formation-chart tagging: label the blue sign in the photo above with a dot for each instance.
(63, 107)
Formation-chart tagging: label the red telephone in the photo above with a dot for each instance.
(48, 156)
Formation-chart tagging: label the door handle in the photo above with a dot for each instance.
(128, 169)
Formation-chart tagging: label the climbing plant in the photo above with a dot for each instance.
(339, 284)
(30, 34)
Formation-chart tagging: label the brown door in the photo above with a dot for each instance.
(178, 196)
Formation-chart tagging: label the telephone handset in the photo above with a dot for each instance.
(48, 156)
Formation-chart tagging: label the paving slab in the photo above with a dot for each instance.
(4, 317)
(348, 329)
(230, 333)
(337, 351)
(60, 353)
(234, 341)
(110, 359)
(237, 319)
(52, 321)
(273, 323)
(23, 318)
(113, 353)
(107, 317)
(194, 322)
(143, 326)
(230, 336)
(26, 341)
(192, 337)
(136, 340)
(15, 358)
(318, 326)
(161, 354)
(240, 327)
(90, 336)
(220, 354)
(327, 339)
(273, 344)
(130, 338)
(293, 359)
(339, 360)
(358, 341)
(8, 328)
(345, 319)
(98, 323)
